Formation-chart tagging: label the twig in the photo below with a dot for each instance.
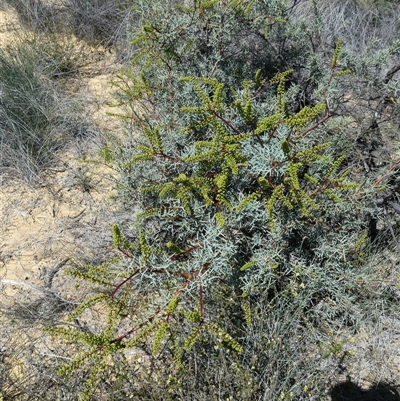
(391, 168)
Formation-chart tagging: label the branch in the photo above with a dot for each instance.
(391, 74)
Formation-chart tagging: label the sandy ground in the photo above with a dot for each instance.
(9, 26)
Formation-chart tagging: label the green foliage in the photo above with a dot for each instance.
(247, 220)
(222, 153)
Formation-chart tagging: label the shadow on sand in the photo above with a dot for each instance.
(349, 391)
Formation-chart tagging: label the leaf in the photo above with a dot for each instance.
(247, 265)
(220, 219)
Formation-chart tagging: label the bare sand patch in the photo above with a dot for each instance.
(9, 26)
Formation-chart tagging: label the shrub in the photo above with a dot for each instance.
(247, 256)
(249, 259)
(369, 33)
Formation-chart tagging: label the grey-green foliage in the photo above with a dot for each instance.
(370, 33)
(248, 248)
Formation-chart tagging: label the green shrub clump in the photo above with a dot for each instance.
(247, 251)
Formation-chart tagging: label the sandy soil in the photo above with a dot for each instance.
(9, 26)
